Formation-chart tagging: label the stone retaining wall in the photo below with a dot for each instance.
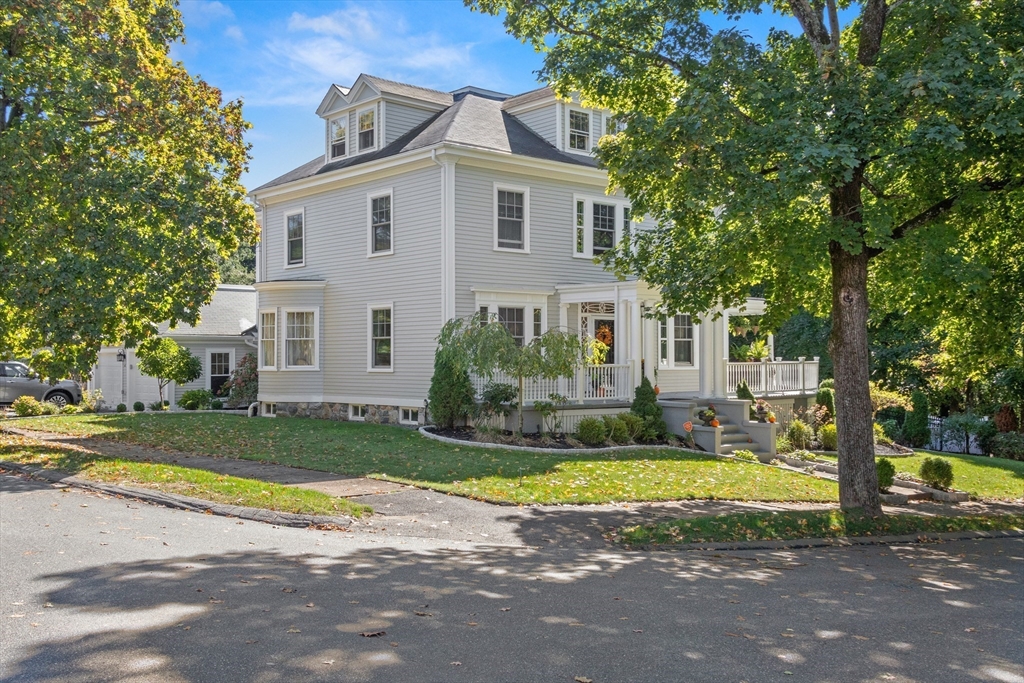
(388, 415)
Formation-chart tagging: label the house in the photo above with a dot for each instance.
(427, 205)
(226, 331)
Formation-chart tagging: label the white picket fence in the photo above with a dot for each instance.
(774, 378)
(590, 383)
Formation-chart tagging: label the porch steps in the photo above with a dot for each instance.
(735, 439)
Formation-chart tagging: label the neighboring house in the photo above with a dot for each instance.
(429, 205)
(225, 333)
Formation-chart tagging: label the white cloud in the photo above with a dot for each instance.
(349, 23)
(235, 32)
(202, 13)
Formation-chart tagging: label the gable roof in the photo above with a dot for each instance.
(472, 121)
(232, 311)
(530, 96)
(381, 86)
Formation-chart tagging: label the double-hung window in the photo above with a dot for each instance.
(379, 207)
(599, 224)
(513, 319)
(579, 130)
(300, 340)
(676, 341)
(268, 340)
(339, 131)
(366, 129)
(295, 239)
(604, 228)
(381, 338)
(523, 314)
(511, 218)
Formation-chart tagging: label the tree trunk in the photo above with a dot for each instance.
(848, 345)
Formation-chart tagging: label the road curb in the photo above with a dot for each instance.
(171, 500)
(841, 542)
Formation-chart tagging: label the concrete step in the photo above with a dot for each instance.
(741, 437)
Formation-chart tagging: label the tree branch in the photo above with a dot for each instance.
(833, 23)
(873, 14)
(813, 26)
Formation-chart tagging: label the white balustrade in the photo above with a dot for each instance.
(593, 382)
(769, 378)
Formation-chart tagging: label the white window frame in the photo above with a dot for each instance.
(370, 196)
(528, 301)
(609, 118)
(268, 409)
(621, 205)
(525, 191)
(569, 130)
(370, 308)
(402, 419)
(315, 367)
(359, 112)
(353, 408)
(330, 137)
(208, 370)
(261, 362)
(305, 242)
(671, 363)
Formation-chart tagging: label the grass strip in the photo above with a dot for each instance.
(197, 483)
(491, 474)
(784, 526)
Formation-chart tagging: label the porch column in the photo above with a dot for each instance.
(650, 351)
(636, 351)
(563, 317)
(721, 357)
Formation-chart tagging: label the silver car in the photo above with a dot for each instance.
(16, 380)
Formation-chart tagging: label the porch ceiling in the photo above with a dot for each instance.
(630, 290)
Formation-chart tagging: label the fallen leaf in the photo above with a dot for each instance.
(294, 630)
(862, 638)
(734, 635)
(250, 642)
(393, 644)
(583, 679)
(472, 623)
(638, 630)
(328, 661)
(372, 634)
(456, 663)
(287, 590)
(970, 630)
(423, 614)
(505, 609)
(309, 604)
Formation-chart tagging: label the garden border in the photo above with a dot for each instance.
(584, 451)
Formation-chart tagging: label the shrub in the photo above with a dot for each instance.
(915, 425)
(216, 404)
(937, 473)
(895, 413)
(50, 408)
(90, 402)
(26, 406)
(1008, 445)
(744, 393)
(827, 397)
(829, 438)
(138, 406)
(829, 383)
(634, 425)
(645, 405)
(985, 433)
(195, 399)
(69, 410)
(451, 397)
(157, 405)
(122, 408)
(591, 431)
(880, 435)
(799, 434)
(890, 430)
(1005, 419)
(882, 398)
(744, 454)
(886, 473)
(616, 428)
(804, 455)
(243, 386)
(959, 428)
(783, 444)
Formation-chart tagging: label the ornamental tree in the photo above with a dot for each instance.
(808, 164)
(167, 361)
(119, 187)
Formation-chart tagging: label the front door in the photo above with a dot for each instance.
(604, 331)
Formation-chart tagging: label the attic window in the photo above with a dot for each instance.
(366, 139)
(338, 135)
(579, 130)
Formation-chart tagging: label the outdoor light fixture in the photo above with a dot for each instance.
(122, 356)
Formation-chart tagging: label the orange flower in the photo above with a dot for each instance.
(688, 426)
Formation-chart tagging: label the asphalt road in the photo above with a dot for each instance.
(103, 589)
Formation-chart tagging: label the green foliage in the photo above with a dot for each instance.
(827, 397)
(591, 431)
(828, 383)
(1006, 419)
(69, 409)
(915, 425)
(138, 406)
(783, 444)
(645, 405)
(634, 425)
(243, 385)
(960, 428)
(829, 438)
(451, 397)
(167, 361)
(891, 430)
(882, 398)
(800, 434)
(744, 454)
(216, 404)
(1008, 445)
(617, 430)
(744, 393)
(937, 472)
(121, 408)
(157, 406)
(896, 414)
(879, 434)
(195, 399)
(549, 412)
(496, 399)
(26, 406)
(806, 335)
(121, 172)
(240, 267)
(90, 402)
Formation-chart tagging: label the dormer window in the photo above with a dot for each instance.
(338, 137)
(579, 130)
(366, 128)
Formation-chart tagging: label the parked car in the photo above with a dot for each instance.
(17, 380)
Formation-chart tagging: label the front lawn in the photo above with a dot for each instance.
(497, 475)
(982, 477)
(781, 526)
(187, 481)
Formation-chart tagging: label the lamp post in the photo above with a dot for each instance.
(122, 357)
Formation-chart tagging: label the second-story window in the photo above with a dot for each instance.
(295, 254)
(380, 224)
(366, 130)
(579, 130)
(510, 220)
(338, 138)
(604, 227)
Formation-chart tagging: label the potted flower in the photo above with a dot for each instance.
(761, 410)
(771, 417)
(707, 415)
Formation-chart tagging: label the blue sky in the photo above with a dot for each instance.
(281, 57)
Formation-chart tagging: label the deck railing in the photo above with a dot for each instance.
(774, 378)
(590, 383)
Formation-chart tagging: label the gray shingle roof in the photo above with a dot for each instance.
(529, 96)
(472, 121)
(406, 90)
(232, 311)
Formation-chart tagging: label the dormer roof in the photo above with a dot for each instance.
(339, 97)
(529, 97)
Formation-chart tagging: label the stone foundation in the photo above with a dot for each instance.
(387, 415)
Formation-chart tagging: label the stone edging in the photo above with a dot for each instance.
(842, 542)
(584, 451)
(171, 500)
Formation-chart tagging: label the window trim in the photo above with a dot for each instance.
(352, 412)
(669, 321)
(525, 191)
(315, 366)
(359, 146)
(260, 360)
(370, 308)
(208, 368)
(410, 421)
(331, 156)
(621, 205)
(528, 301)
(288, 214)
(370, 196)
(569, 131)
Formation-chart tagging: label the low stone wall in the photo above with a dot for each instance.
(386, 415)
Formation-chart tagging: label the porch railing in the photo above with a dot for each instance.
(774, 378)
(590, 383)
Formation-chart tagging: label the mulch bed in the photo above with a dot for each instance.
(509, 439)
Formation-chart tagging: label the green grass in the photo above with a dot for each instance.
(187, 481)
(497, 475)
(982, 477)
(780, 526)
